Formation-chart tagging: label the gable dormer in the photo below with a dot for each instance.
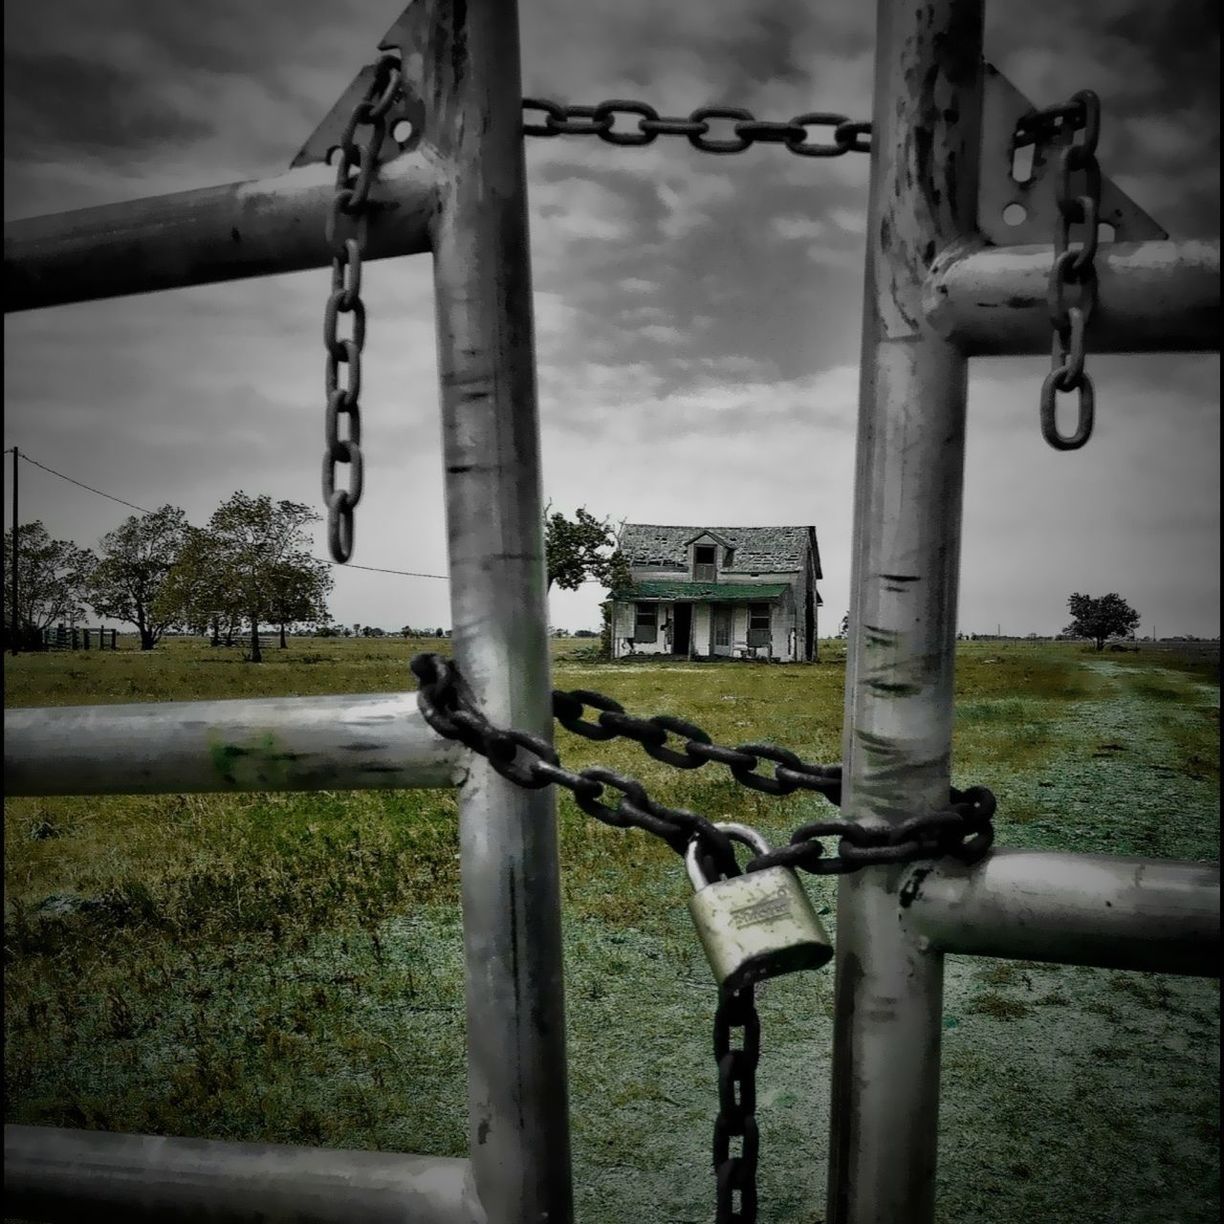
(708, 552)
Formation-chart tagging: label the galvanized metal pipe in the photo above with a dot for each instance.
(74, 1175)
(372, 741)
(1151, 297)
(517, 1091)
(1161, 916)
(256, 228)
(907, 518)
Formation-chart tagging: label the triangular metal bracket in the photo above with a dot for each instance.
(1012, 213)
(403, 36)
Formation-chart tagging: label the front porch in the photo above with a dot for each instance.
(719, 621)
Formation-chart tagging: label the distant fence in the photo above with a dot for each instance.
(70, 637)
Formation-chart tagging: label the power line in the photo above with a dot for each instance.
(379, 570)
(132, 506)
(79, 485)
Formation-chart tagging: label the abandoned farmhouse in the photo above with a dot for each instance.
(703, 592)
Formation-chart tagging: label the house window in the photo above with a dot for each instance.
(703, 563)
(758, 624)
(647, 627)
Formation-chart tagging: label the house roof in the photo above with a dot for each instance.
(756, 549)
(713, 535)
(704, 592)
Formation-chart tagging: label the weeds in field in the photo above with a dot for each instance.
(289, 967)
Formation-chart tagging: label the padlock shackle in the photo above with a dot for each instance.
(745, 834)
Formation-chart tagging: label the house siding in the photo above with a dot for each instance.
(788, 611)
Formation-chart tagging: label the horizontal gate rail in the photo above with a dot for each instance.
(1159, 916)
(371, 741)
(1153, 297)
(72, 1175)
(255, 228)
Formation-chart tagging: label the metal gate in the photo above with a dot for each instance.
(941, 287)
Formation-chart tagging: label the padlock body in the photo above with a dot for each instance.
(758, 925)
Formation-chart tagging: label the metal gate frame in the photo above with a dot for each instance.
(937, 293)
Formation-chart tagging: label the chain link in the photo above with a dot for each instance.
(356, 165)
(1073, 266)
(735, 1173)
(645, 125)
(963, 831)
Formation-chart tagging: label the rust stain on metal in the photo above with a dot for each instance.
(912, 889)
(876, 636)
(892, 688)
(459, 55)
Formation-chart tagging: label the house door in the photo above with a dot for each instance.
(682, 629)
(721, 630)
(809, 641)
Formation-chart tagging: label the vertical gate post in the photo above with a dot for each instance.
(907, 516)
(14, 618)
(517, 1091)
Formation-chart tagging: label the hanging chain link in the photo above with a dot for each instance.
(345, 233)
(735, 1173)
(1073, 266)
(560, 120)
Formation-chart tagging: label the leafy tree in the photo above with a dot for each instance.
(136, 559)
(299, 589)
(52, 576)
(251, 565)
(844, 628)
(574, 548)
(1100, 618)
(191, 595)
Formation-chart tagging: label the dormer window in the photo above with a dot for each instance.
(703, 563)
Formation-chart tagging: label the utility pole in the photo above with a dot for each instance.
(14, 620)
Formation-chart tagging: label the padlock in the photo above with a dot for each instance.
(756, 925)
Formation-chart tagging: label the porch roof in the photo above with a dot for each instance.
(704, 592)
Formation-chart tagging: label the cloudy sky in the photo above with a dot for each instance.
(697, 317)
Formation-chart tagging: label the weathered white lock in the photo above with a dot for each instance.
(755, 925)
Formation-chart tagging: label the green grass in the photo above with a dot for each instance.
(289, 967)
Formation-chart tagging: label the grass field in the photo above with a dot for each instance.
(289, 967)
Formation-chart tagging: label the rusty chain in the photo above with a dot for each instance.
(735, 1172)
(355, 167)
(1073, 266)
(600, 120)
(963, 830)
(357, 164)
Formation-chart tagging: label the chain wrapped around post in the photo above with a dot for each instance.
(345, 233)
(560, 120)
(963, 830)
(1072, 266)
